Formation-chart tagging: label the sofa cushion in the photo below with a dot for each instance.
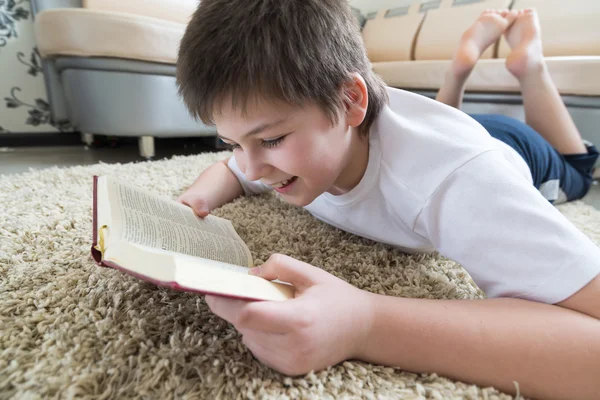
(170, 10)
(92, 33)
(443, 28)
(570, 28)
(392, 38)
(492, 76)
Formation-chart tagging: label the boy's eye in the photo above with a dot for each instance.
(264, 143)
(272, 143)
(230, 146)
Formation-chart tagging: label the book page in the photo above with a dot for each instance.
(195, 274)
(154, 221)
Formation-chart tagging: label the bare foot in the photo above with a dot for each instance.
(485, 31)
(525, 39)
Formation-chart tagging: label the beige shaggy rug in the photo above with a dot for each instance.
(70, 329)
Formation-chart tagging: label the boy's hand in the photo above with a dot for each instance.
(327, 322)
(195, 201)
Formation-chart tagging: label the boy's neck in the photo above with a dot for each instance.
(355, 166)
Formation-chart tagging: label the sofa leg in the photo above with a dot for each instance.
(87, 138)
(146, 146)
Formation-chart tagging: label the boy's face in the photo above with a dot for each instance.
(295, 150)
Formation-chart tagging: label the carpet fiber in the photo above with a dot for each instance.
(70, 329)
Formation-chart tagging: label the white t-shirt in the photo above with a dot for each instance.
(436, 180)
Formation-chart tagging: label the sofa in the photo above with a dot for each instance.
(411, 47)
(110, 64)
(110, 67)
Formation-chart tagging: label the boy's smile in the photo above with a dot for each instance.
(295, 150)
(284, 186)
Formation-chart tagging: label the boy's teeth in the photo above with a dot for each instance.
(281, 184)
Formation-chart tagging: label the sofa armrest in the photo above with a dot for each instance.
(54, 89)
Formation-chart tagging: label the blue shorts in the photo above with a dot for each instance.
(558, 177)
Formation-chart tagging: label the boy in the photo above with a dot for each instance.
(289, 86)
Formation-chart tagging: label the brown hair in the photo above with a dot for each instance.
(296, 51)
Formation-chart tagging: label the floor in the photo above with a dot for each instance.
(21, 158)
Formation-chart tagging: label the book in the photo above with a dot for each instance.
(164, 242)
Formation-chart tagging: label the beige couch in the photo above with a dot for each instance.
(110, 67)
(414, 50)
(133, 43)
(145, 30)
(411, 48)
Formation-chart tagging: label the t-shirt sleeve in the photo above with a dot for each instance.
(513, 242)
(250, 187)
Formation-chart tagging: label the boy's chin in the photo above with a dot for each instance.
(299, 201)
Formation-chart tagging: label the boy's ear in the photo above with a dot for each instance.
(357, 100)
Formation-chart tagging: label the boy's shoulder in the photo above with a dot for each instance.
(423, 141)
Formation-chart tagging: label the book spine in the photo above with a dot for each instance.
(96, 254)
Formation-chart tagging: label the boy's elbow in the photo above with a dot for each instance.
(586, 300)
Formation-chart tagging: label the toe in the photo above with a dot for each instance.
(511, 16)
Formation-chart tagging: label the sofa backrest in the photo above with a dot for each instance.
(40, 5)
(569, 28)
(444, 26)
(390, 37)
(423, 30)
(431, 30)
(171, 10)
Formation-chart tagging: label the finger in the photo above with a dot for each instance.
(200, 207)
(276, 317)
(268, 349)
(261, 352)
(226, 308)
(201, 213)
(288, 269)
(265, 316)
(273, 341)
(276, 352)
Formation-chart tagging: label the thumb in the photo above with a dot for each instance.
(199, 206)
(288, 269)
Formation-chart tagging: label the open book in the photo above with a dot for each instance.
(159, 240)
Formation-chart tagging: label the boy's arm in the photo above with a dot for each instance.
(587, 300)
(514, 243)
(216, 186)
(551, 352)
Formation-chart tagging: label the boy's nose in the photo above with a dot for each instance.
(255, 168)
